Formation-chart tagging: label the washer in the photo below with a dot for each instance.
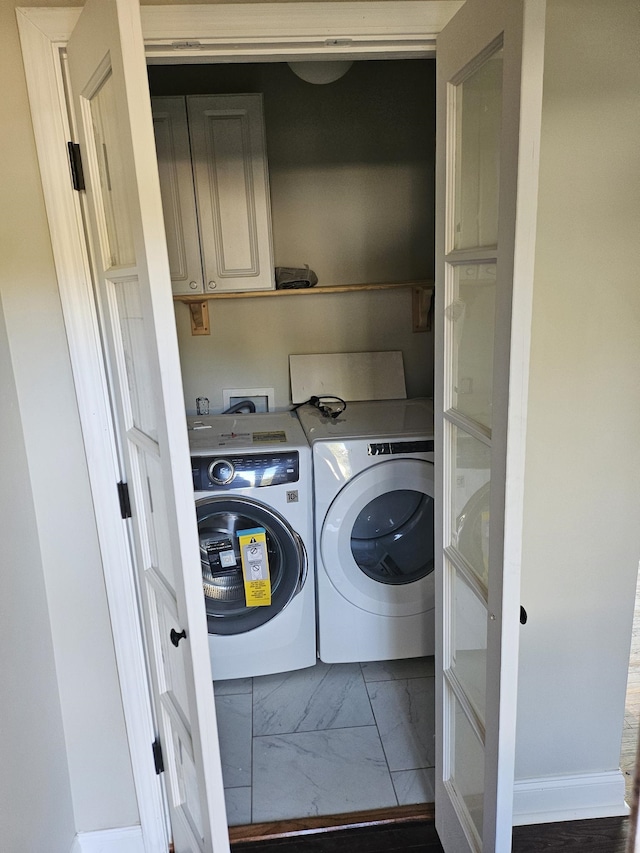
(373, 490)
(254, 472)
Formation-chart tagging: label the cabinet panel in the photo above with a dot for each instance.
(232, 191)
(178, 198)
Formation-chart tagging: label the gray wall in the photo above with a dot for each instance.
(352, 195)
(582, 499)
(51, 517)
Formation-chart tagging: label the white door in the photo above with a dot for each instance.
(489, 90)
(113, 115)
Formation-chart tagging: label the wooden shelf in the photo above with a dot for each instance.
(421, 300)
(304, 291)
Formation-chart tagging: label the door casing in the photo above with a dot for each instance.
(230, 33)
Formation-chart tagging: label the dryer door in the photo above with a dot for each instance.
(220, 519)
(377, 539)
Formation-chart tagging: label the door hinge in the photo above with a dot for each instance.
(125, 502)
(158, 760)
(75, 162)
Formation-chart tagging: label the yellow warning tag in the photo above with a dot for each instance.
(255, 566)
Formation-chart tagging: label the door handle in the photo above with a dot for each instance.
(175, 637)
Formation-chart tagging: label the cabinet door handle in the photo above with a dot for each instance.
(193, 285)
(211, 285)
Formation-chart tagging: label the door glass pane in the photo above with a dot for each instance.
(467, 764)
(477, 145)
(392, 537)
(119, 250)
(470, 489)
(469, 641)
(137, 374)
(471, 314)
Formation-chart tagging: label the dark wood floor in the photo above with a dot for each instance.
(604, 835)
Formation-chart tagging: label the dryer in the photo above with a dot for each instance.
(252, 475)
(374, 529)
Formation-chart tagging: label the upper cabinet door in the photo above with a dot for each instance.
(178, 196)
(489, 96)
(232, 188)
(129, 254)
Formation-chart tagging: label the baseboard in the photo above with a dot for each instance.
(125, 839)
(549, 799)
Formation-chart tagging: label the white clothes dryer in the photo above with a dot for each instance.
(374, 529)
(253, 473)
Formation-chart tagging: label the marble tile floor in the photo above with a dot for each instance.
(328, 739)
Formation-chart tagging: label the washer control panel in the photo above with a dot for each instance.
(246, 470)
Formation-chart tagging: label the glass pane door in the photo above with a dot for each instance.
(489, 93)
(474, 121)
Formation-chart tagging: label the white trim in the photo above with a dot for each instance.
(41, 52)
(288, 30)
(548, 799)
(388, 30)
(527, 169)
(126, 839)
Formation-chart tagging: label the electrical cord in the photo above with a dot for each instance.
(323, 404)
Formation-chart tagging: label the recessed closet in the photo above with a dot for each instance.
(351, 182)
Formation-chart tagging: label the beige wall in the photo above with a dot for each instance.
(352, 194)
(582, 497)
(32, 747)
(53, 510)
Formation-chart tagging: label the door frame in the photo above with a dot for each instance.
(232, 33)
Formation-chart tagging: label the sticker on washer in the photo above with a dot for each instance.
(221, 555)
(255, 566)
(226, 439)
(276, 437)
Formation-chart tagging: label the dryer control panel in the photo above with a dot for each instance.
(389, 448)
(246, 470)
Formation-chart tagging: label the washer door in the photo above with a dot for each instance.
(377, 542)
(219, 520)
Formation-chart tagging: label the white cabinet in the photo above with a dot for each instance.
(178, 197)
(215, 192)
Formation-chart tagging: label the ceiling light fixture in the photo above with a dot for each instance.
(320, 72)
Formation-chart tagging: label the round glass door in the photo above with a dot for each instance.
(392, 537)
(220, 521)
(377, 540)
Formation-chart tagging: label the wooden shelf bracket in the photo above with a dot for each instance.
(199, 318)
(421, 300)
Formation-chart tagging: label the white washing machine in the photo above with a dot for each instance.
(252, 475)
(374, 529)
